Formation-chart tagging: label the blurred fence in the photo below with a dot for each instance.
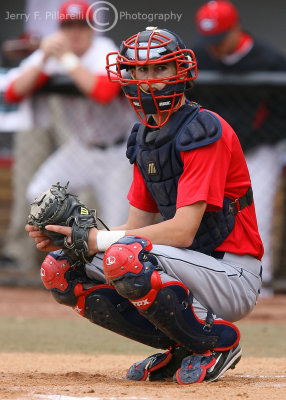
(253, 104)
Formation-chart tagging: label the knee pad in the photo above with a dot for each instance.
(53, 271)
(54, 274)
(62, 278)
(132, 270)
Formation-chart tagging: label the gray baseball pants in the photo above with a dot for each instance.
(228, 287)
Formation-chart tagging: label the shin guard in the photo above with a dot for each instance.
(173, 314)
(98, 302)
(133, 272)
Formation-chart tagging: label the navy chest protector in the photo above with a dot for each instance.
(160, 164)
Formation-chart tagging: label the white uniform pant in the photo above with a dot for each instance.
(106, 171)
(264, 164)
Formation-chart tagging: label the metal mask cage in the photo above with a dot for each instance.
(158, 49)
(185, 60)
(164, 106)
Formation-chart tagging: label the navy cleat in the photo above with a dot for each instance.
(224, 360)
(167, 371)
(207, 367)
(158, 367)
(193, 368)
(140, 370)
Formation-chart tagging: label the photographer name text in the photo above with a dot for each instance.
(37, 15)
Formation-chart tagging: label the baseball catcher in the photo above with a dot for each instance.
(178, 284)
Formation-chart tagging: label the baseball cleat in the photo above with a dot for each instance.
(140, 370)
(207, 367)
(158, 367)
(224, 360)
(167, 371)
(193, 368)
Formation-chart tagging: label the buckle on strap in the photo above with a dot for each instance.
(240, 203)
(209, 321)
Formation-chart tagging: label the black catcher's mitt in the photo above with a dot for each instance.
(56, 206)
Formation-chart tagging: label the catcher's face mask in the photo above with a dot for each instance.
(153, 95)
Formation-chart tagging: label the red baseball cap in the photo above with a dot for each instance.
(215, 19)
(74, 11)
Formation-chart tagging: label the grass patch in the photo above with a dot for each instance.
(72, 336)
(62, 336)
(260, 339)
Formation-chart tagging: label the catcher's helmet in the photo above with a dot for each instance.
(150, 47)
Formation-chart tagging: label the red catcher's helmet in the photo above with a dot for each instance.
(153, 46)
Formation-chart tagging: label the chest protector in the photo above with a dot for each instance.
(157, 155)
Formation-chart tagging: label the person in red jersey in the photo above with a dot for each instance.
(223, 45)
(195, 271)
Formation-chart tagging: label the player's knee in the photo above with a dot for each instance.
(132, 270)
(55, 272)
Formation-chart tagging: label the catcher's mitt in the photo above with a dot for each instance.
(56, 206)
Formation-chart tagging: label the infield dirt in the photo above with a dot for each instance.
(37, 375)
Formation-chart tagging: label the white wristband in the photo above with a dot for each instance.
(70, 61)
(106, 238)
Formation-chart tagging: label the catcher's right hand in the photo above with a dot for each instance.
(56, 206)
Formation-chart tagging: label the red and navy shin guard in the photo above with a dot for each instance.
(132, 270)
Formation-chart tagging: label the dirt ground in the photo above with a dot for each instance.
(102, 377)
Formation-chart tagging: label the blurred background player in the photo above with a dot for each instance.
(67, 94)
(223, 45)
